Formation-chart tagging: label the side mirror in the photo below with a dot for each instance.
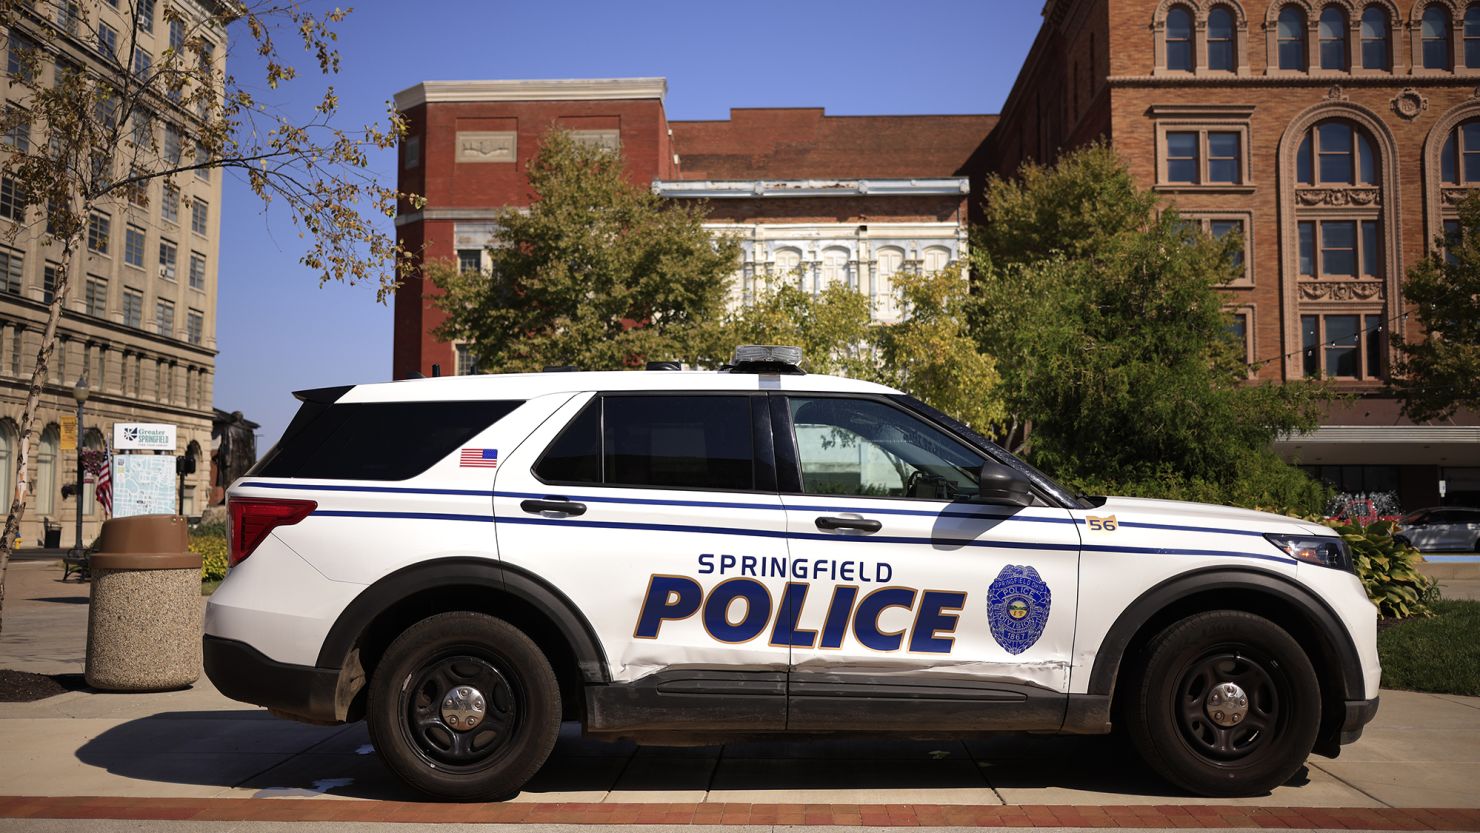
(999, 484)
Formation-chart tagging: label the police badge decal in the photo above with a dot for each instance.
(1017, 608)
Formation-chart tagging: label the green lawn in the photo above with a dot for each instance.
(1441, 655)
(208, 587)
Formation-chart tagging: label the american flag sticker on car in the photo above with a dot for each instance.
(479, 458)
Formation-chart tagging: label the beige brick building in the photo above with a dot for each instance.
(140, 314)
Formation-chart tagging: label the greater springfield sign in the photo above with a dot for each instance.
(143, 436)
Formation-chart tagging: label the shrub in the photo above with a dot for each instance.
(212, 549)
(1389, 570)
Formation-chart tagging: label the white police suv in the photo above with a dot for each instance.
(684, 557)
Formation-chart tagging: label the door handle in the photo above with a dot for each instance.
(860, 524)
(563, 507)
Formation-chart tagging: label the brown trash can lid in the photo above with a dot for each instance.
(145, 542)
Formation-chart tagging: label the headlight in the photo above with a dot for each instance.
(1322, 552)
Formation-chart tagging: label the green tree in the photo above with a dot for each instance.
(832, 328)
(932, 355)
(598, 273)
(1440, 373)
(90, 136)
(1102, 309)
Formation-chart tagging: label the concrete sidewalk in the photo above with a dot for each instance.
(1423, 751)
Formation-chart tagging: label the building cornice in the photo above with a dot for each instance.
(750, 188)
(555, 89)
(1358, 434)
(1469, 80)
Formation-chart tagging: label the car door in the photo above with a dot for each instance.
(651, 513)
(911, 605)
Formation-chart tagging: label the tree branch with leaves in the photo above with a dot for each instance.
(105, 122)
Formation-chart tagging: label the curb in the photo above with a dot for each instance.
(875, 815)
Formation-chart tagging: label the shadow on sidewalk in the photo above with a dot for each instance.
(272, 757)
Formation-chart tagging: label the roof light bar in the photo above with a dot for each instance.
(767, 354)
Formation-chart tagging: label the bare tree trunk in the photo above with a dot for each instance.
(28, 417)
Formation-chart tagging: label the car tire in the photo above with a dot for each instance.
(464, 706)
(1207, 738)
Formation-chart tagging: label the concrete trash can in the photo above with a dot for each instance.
(144, 623)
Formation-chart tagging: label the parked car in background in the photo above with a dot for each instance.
(1442, 528)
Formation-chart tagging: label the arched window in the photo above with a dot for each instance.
(889, 259)
(1377, 44)
(1222, 40)
(1461, 158)
(1336, 152)
(1472, 36)
(935, 259)
(1290, 39)
(1434, 32)
(834, 268)
(1333, 39)
(787, 266)
(1179, 39)
(46, 470)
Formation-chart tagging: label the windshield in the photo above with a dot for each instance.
(1067, 497)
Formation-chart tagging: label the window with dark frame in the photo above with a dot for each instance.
(1460, 159)
(1434, 38)
(1336, 152)
(12, 271)
(1222, 40)
(133, 246)
(1377, 45)
(1342, 345)
(1290, 33)
(1181, 55)
(1347, 249)
(98, 232)
(133, 308)
(1183, 162)
(1332, 32)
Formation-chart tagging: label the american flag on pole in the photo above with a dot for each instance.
(104, 489)
(478, 458)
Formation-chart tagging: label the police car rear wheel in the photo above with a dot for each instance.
(464, 706)
(1226, 704)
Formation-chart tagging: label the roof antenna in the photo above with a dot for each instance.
(436, 370)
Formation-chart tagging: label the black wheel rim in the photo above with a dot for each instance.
(427, 724)
(1265, 688)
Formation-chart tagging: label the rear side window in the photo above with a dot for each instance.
(671, 442)
(376, 440)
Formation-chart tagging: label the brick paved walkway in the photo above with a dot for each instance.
(878, 815)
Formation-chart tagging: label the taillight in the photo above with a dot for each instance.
(253, 519)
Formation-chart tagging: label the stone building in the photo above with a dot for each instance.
(139, 321)
(1333, 136)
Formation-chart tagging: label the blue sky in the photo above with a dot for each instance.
(277, 331)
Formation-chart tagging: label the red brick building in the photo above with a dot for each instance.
(812, 197)
(1334, 136)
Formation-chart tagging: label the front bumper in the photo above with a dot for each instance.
(243, 673)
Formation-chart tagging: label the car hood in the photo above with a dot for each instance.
(1206, 514)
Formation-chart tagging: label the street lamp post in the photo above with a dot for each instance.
(79, 393)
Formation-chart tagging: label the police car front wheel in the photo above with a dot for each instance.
(464, 706)
(1226, 704)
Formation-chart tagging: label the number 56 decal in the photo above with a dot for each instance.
(1106, 524)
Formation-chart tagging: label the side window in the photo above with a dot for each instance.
(678, 442)
(866, 448)
(575, 456)
(671, 442)
(375, 440)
